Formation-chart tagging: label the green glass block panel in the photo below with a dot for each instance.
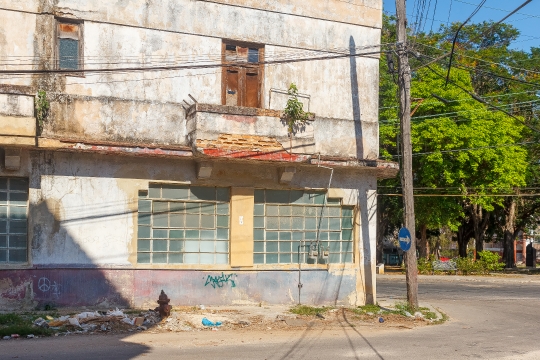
(277, 196)
(295, 245)
(208, 221)
(175, 245)
(159, 245)
(3, 184)
(310, 223)
(285, 235)
(222, 234)
(176, 234)
(324, 245)
(143, 232)
(208, 234)
(191, 258)
(3, 212)
(203, 193)
(143, 194)
(295, 257)
(3, 198)
(258, 210)
(160, 220)
(258, 222)
(272, 210)
(160, 234)
(347, 257)
(17, 241)
(297, 197)
(68, 54)
(347, 211)
(222, 259)
(207, 246)
(318, 198)
(18, 184)
(259, 196)
(272, 223)
(311, 211)
(346, 235)
(347, 246)
(258, 258)
(223, 194)
(177, 206)
(323, 236)
(19, 255)
(208, 209)
(334, 258)
(191, 246)
(222, 246)
(143, 258)
(176, 258)
(159, 258)
(18, 198)
(285, 258)
(192, 221)
(298, 210)
(193, 208)
(177, 220)
(143, 245)
(3, 227)
(322, 223)
(145, 205)
(17, 213)
(271, 258)
(144, 219)
(192, 234)
(206, 259)
(160, 207)
(272, 246)
(347, 223)
(285, 246)
(335, 247)
(3, 241)
(17, 227)
(334, 224)
(285, 223)
(154, 191)
(310, 235)
(298, 223)
(333, 202)
(223, 209)
(297, 235)
(284, 210)
(334, 211)
(175, 192)
(272, 235)
(258, 246)
(334, 236)
(258, 234)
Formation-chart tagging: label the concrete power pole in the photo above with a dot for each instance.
(404, 83)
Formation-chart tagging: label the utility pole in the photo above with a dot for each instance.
(404, 83)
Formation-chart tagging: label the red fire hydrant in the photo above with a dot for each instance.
(164, 307)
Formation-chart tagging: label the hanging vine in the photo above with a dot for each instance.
(42, 109)
(294, 113)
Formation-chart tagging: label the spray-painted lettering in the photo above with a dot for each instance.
(45, 285)
(220, 280)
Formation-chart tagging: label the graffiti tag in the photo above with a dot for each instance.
(220, 280)
(45, 285)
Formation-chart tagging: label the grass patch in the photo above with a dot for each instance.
(308, 310)
(23, 330)
(11, 319)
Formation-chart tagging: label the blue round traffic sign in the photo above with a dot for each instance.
(404, 239)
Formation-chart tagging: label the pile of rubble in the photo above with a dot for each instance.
(92, 321)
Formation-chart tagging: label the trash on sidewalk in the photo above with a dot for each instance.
(207, 322)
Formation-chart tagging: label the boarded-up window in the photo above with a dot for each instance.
(243, 75)
(69, 46)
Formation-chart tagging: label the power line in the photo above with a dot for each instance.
(471, 149)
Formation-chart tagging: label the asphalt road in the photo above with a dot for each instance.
(489, 319)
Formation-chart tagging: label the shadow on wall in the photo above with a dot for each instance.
(355, 98)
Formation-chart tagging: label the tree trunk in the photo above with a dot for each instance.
(509, 232)
(423, 245)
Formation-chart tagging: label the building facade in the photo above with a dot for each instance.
(143, 148)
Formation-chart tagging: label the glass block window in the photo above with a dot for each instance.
(13, 220)
(287, 219)
(183, 225)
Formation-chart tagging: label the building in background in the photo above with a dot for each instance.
(143, 149)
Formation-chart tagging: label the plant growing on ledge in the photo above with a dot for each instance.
(294, 114)
(42, 109)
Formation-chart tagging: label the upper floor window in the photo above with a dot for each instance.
(242, 75)
(69, 45)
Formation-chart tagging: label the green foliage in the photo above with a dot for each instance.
(42, 109)
(11, 319)
(425, 266)
(21, 325)
(308, 310)
(294, 113)
(491, 261)
(488, 262)
(370, 308)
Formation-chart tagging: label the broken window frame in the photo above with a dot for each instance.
(244, 70)
(80, 44)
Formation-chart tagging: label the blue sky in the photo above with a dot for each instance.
(527, 20)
